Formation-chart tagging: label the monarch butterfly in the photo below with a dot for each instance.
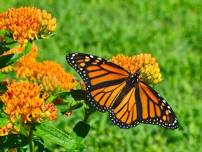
(129, 100)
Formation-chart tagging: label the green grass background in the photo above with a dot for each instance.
(170, 30)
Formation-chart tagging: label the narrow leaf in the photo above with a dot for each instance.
(3, 88)
(51, 98)
(7, 38)
(26, 50)
(4, 60)
(3, 48)
(53, 135)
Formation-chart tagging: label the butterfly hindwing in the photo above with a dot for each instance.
(104, 80)
(159, 111)
(142, 104)
(125, 114)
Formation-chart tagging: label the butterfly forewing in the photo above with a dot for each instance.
(104, 80)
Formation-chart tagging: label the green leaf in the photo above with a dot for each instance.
(64, 95)
(2, 76)
(3, 88)
(51, 98)
(26, 50)
(1, 108)
(75, 94)
(4, 32)
(78, 94)
(13, 141)
(3, 122)
(39, 143)
(52, 135)
(4, 60)
(69, 106)
(21, 127)
(2, 114)
(22, 149)
(7, 37)
(10, 75)
(82, 129)
(3, 48)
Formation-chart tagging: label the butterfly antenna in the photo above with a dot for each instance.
(138, 70)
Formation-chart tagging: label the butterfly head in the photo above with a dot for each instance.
(135, 77)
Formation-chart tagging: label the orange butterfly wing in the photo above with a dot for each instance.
(125, 114)
(104, 80)
(142, 104)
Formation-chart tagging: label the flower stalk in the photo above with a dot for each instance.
(30, 136)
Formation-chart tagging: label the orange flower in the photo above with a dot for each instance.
(54, 76)
(27, 23)
(49, 73)
(144, 63)
(25, 101)
(7, 129)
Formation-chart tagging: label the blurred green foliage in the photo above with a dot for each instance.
(170, 30)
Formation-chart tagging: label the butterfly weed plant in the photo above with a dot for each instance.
(33, 93)
(28, 87)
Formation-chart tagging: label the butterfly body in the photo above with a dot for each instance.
(130, 83)
(128, 99)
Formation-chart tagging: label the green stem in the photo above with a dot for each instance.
(88, 112)
(30, 138)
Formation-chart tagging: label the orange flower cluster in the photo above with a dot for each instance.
(9, 128)
(25, 101)
(54, 76)
(49, 73)
(144, 63)
(27, 23)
